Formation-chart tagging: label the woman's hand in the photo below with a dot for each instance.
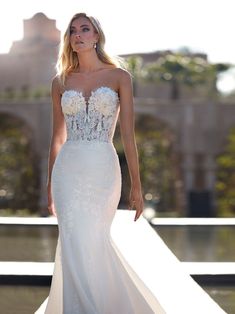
(136, 200)
(51, 205)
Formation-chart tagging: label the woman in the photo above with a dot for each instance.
(84, 178)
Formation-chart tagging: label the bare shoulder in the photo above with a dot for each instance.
(56, 84)
(122, 73)
(123, 77)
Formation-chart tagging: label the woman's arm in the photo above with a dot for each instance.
(58, 138)
(127, 127)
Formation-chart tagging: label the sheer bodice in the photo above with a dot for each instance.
(91, 120)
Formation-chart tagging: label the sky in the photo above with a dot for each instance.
(137, 26)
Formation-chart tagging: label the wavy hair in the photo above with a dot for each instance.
(68, 60)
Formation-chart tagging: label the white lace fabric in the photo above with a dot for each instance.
(94, 120)
(90, 276)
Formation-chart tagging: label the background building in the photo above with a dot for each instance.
(199, 127)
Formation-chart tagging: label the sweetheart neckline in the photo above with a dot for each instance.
(93, 91)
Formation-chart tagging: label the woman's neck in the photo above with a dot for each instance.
(89, 62)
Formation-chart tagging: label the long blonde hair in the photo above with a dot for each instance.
(68, 60)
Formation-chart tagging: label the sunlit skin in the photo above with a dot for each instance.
(82, 39)
(92, 70)
(82, 35)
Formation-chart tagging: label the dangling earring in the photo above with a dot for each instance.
(95, 45)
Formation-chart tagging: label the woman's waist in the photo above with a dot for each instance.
(87, 143)
(87, 154)
(84, 146)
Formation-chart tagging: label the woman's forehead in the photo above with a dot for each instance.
(80, 21)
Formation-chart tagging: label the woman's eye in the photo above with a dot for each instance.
(85, 29)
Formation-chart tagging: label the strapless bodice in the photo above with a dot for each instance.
(92, 120)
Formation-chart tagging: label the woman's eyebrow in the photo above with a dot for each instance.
(80, 26)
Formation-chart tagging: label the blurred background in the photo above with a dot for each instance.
(183, 64)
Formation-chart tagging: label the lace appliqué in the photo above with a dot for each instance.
(92, 120)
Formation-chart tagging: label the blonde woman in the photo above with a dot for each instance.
(84, 177)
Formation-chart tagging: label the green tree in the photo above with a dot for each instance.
(159, 166)
(19, 175)
(134, 65)
(179, 69)
(225, 181)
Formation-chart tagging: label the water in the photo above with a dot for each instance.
(224, 296)
(200, 243)
(21, 299)
(188, 243)
(28, 243)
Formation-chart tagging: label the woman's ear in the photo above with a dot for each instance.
(97, 37)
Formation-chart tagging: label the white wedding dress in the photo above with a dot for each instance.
(91, 276)
(98, 270)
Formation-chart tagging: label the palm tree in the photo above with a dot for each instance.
(178, 69)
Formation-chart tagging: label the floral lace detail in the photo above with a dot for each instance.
(92, 120)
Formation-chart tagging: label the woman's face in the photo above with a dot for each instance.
(82, 35)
